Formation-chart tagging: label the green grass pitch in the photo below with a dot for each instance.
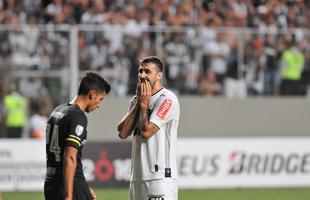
(201, 194)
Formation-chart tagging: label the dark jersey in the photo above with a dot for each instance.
(65, 127)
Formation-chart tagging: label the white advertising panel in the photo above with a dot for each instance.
(22, 164)
(202, 163)
(240, 162)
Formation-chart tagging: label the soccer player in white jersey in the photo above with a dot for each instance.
(152, 118)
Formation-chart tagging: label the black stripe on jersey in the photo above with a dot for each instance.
(136, 131)
(156, 168)
(167, 172)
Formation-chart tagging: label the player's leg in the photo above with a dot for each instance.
(160, 189)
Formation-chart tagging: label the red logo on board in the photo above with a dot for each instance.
(164, 108)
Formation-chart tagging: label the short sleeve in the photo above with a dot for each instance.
(76, 129)
(163, 111)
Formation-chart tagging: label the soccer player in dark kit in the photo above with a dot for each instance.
(66, 136)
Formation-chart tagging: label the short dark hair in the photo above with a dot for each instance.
(152, 59)
(93, 81)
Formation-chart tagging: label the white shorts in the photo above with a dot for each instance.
(159, 189)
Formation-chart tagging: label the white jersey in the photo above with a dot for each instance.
(155, 157)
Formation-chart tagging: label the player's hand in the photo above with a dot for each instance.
(138, 89)
(145, 94)
(93, 193)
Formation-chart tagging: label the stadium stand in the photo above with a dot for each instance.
(225, 48)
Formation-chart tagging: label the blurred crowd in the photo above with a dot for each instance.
(265, 14)
(234, 48)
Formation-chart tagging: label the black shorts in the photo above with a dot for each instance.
(56, 191)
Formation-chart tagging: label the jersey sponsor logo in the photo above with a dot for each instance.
(57, 114)
(79, 130)
(50, 171)
(164, 108)
(83, 142)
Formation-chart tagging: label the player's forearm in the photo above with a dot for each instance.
(70, 168)
(145, 128)
(144, 119)
(126, 125)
